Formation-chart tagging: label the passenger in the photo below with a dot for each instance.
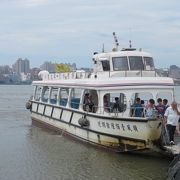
(106, 104)
(91, 105)
(117, 107)
(144, 107)
(142, 103)
(86, 102)
(150, 108)
(165, 102)
(161, 108)
(171, 117)
(137, 108)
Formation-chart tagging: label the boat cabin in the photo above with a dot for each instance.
(125, 63)
(102, 98)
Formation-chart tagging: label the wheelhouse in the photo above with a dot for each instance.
(125, 60)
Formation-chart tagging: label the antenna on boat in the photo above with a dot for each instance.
(103, 48)
(116, 41)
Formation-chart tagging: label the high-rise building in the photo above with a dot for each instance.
(5, 69)
(34, 73)
(21, 66)
(48, 66)
(174, 71)
(26, 66)
(72, 66)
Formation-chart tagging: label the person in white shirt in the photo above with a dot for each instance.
(171, 117)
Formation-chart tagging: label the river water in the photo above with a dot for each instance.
(28, 152)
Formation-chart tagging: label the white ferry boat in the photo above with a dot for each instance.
(81, 104)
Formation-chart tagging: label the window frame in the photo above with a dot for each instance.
(145, 63)
(105, 62)
(130, 63)
(111, 96)
(75, 106)
(61, 103)
(127, 63)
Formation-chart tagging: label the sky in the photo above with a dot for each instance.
(69, 31)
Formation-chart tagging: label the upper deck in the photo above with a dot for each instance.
(112, 83)
(115, 64)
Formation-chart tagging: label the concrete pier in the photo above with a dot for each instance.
(174, 149)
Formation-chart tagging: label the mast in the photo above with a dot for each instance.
(116, 41)
(103, 48)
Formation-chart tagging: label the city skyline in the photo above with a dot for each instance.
(72, 30)
(22, 73)
(39, 66)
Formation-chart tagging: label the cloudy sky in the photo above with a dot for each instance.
(71, 30)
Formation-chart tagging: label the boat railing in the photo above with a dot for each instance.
(108, 111)
(124, 112)
(134, 73)
(104, 74)
(127, 112)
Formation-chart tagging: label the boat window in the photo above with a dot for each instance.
(54, 94)
(38, 94)
(64, 93)
(165, 95)
(115, 102)
(105, 65)
(120, 63)
(75, 98)
(90, 101)
(149, 63)
(45, 94)
(138, 103)
(145, 96)
(136, 63)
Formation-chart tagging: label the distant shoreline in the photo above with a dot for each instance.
(15, 84)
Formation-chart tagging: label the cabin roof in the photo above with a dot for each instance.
(122, 53)
(115, 83)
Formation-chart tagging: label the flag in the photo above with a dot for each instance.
(62, 68)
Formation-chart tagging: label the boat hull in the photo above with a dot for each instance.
(110, 133)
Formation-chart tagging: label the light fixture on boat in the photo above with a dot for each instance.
(130, 45)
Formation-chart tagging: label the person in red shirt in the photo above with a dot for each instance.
(161, 108)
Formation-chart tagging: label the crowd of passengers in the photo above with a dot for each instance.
(170, 114)
(138, 109)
